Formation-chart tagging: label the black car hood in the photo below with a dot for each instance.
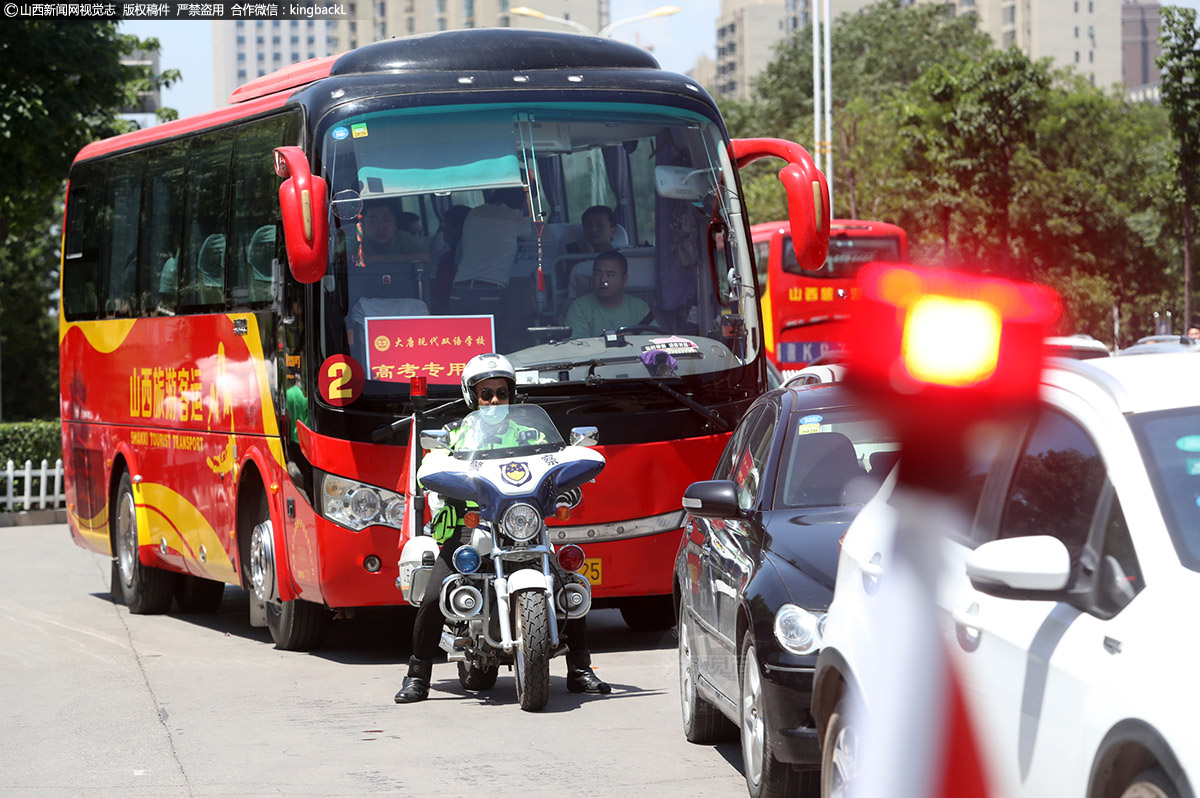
(808, 540)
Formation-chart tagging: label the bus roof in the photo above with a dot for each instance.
(472, 50)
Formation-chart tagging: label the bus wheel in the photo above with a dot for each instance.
(145, 590)
(296, 625)
(651, 613)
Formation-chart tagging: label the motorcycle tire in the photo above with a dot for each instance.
(532, 665)
(477, 678)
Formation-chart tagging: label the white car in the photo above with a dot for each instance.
(1067, 597)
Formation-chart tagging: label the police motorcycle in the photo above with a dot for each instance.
(512, 591)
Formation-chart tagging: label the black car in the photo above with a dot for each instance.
(755, 574)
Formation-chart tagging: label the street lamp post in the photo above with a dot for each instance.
(606, 31)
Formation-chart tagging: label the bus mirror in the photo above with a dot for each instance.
(302, 201)
(807, 193)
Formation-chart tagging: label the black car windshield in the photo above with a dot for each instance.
(833, 457)
(1170, 444)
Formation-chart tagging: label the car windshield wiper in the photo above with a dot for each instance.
(591, 363)
(815, 320)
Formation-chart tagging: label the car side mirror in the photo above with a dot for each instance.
(435, 439)
(1035, 568)
(584, 436)
(715, 498)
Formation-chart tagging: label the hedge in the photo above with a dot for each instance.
(31, 440)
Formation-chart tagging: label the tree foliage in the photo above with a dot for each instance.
(988, 160)
(63, 86)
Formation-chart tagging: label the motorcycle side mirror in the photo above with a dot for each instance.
(585, 436)
(435, 439)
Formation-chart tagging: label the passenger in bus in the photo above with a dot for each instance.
(447, 266)
(607, 307)
(490, 381)
(599, 226)
(410, 223)
(394, 257)
(488, 249)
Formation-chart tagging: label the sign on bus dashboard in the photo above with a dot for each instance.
(805, 312)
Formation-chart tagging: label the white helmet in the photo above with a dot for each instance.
(486, 367)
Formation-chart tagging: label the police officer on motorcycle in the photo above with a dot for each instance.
(489, 382)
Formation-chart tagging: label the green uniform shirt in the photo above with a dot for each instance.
(587, 317)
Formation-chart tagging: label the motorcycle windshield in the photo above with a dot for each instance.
(502, 431)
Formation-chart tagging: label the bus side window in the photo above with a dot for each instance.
(254, 237)
(81, 258)
(162, 225)
(202, 272)
(119, 261)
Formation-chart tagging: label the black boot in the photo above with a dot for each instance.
(416, 683)
(580, 676)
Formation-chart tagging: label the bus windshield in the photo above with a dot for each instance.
(847, 253)
(584, 241)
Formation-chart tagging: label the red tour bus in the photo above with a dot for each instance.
(805, 312)
(235, 350)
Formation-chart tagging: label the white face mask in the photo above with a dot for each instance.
(493, 414)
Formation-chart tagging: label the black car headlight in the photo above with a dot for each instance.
(799, 630)
(357, 505)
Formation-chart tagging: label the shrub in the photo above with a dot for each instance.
(30, 440)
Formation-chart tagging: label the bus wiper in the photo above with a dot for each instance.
(388, 430)
(708, 413)
(815, 320)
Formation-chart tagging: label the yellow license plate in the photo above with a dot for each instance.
(591, 569)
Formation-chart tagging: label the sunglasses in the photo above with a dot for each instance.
(486, 394)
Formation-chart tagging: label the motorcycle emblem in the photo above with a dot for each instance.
(515, 474)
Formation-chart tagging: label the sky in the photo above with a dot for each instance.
(677, 41)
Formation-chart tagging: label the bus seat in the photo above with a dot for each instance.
(210, 269)
(882, 462)
(260, 252)
(374, 308)
(642, 280)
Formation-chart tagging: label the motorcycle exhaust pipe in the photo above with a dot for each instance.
(465, 601)
(573, 600)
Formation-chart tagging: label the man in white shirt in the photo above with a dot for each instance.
(488, 250)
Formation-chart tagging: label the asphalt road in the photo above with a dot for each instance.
(97, 702)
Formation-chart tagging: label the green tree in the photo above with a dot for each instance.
(63, 86)
(1180, 87)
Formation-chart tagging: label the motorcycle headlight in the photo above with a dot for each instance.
(522, 522)
(357, 505)
(798, 630)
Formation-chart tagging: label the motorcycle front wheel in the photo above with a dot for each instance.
(532, 666)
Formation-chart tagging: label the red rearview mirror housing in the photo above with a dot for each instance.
(304, 207)
(807, 193)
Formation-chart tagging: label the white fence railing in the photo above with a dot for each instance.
(31, 488)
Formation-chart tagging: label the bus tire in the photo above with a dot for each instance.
(144, 589)
(195, 594)
(297, 625)
(649, 613)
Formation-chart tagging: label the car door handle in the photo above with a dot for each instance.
(968, 630)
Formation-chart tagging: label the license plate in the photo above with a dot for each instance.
(591, 569)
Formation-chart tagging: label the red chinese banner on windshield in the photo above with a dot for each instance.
(434, 347)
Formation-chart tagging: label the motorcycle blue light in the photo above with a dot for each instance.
(467, 560)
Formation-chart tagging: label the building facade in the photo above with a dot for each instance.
(1139, 43)
(247, 49)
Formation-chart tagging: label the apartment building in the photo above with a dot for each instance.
(1084, 34)
(1139, 43)
(246, 49)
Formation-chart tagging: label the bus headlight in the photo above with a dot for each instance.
(357, 505)
(522, 521)
(798, 630)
